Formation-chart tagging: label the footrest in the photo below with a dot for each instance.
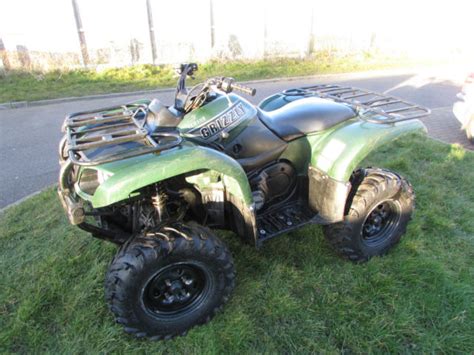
(284, 219)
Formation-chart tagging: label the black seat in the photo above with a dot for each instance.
(304, 116)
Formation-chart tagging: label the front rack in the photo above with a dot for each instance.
(114, 133)
(379, 107)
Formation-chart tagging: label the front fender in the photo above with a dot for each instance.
(339, 153)
(128, 176)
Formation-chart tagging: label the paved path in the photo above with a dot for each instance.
(29, 136)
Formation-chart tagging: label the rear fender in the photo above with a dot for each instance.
(337, 155)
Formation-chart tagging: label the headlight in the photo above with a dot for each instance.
(91, 179)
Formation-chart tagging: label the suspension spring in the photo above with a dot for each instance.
(159, 199)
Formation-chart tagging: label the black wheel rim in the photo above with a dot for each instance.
(380, 223)
(175, 289)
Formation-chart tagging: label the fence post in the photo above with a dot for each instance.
(373, 39)
(4, 56)
(135, 46)
(211, 8)
(152, 31)
(265, 32)
(80, 32)
(311, 33)
(24, 57)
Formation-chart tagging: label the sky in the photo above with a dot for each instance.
(418, 26)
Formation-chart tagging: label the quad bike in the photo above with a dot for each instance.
(157, 180)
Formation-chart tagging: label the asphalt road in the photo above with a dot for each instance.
(29, 136)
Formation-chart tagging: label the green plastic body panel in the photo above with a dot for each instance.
(339, 153)
(299, 150)
(197, 117)
(217, 107)
(128, 176)
(339, 150)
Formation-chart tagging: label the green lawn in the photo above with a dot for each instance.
(23, 86)
(295, 295)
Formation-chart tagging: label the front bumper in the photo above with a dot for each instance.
(73, 204)
(74, 209)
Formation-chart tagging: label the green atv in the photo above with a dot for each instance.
(157, 180)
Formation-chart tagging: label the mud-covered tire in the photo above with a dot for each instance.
(147, 271)
(377, 213)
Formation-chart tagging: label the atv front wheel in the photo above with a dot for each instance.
(381, 207)
(164, 282)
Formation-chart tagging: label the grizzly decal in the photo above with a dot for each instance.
(218, 124)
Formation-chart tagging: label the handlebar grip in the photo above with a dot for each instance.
(245, 89)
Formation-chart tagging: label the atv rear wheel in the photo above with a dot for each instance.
(380, 208)
(164, 282)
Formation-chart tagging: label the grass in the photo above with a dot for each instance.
(26, 86)
(295, 295)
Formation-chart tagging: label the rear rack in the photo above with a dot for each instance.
(380, 108)
(113, 133)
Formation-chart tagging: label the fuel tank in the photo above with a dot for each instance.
(232, 125)
(222, 117)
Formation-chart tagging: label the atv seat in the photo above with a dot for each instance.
(304, 116)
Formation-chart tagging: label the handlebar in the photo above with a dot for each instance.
(228, 85)
(185, 101)
(245, 89)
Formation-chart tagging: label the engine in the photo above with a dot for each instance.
(272, 184)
